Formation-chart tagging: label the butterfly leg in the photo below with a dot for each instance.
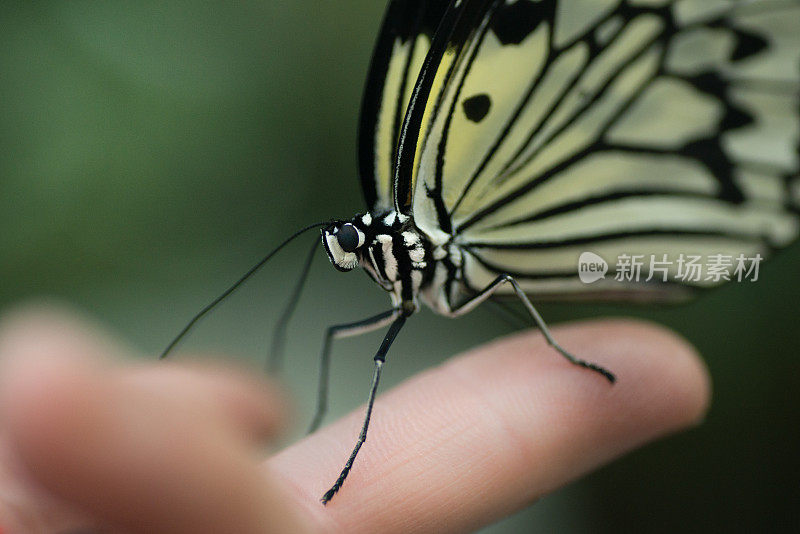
(338, 332)
(507, 279)
(380, 359)
(275, 360)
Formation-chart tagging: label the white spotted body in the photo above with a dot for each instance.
(398, 257)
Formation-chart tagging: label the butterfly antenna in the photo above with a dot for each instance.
(275, 360)
(233, 288)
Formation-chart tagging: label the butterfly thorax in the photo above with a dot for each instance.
(393, 252)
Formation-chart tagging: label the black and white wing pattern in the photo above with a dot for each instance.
(538, 130)
(403, 44)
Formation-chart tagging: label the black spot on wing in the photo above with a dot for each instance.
(514, 22)
(748, 44)
(477, 107)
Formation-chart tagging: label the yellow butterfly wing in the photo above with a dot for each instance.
(643, 127)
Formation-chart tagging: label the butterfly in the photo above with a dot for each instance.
(502, 139)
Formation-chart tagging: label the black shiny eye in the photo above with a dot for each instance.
(348, 238)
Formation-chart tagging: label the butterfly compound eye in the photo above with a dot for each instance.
(348, 238)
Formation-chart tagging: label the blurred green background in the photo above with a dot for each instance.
(150, 152)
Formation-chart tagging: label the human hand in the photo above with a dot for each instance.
(91, 439)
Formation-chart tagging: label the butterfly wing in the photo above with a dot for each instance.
(403, 43)
(638, 127)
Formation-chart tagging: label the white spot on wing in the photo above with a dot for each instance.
(760, 187)
(699, 50)
(669, 114)
(608, 29)
(575, 17)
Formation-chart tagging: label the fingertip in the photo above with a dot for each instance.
(47, 360)
(657, 370)
(48, 328)
(660, 360)
(46, 402)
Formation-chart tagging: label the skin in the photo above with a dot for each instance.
(91, 440)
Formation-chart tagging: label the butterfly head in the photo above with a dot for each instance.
(342, 240)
